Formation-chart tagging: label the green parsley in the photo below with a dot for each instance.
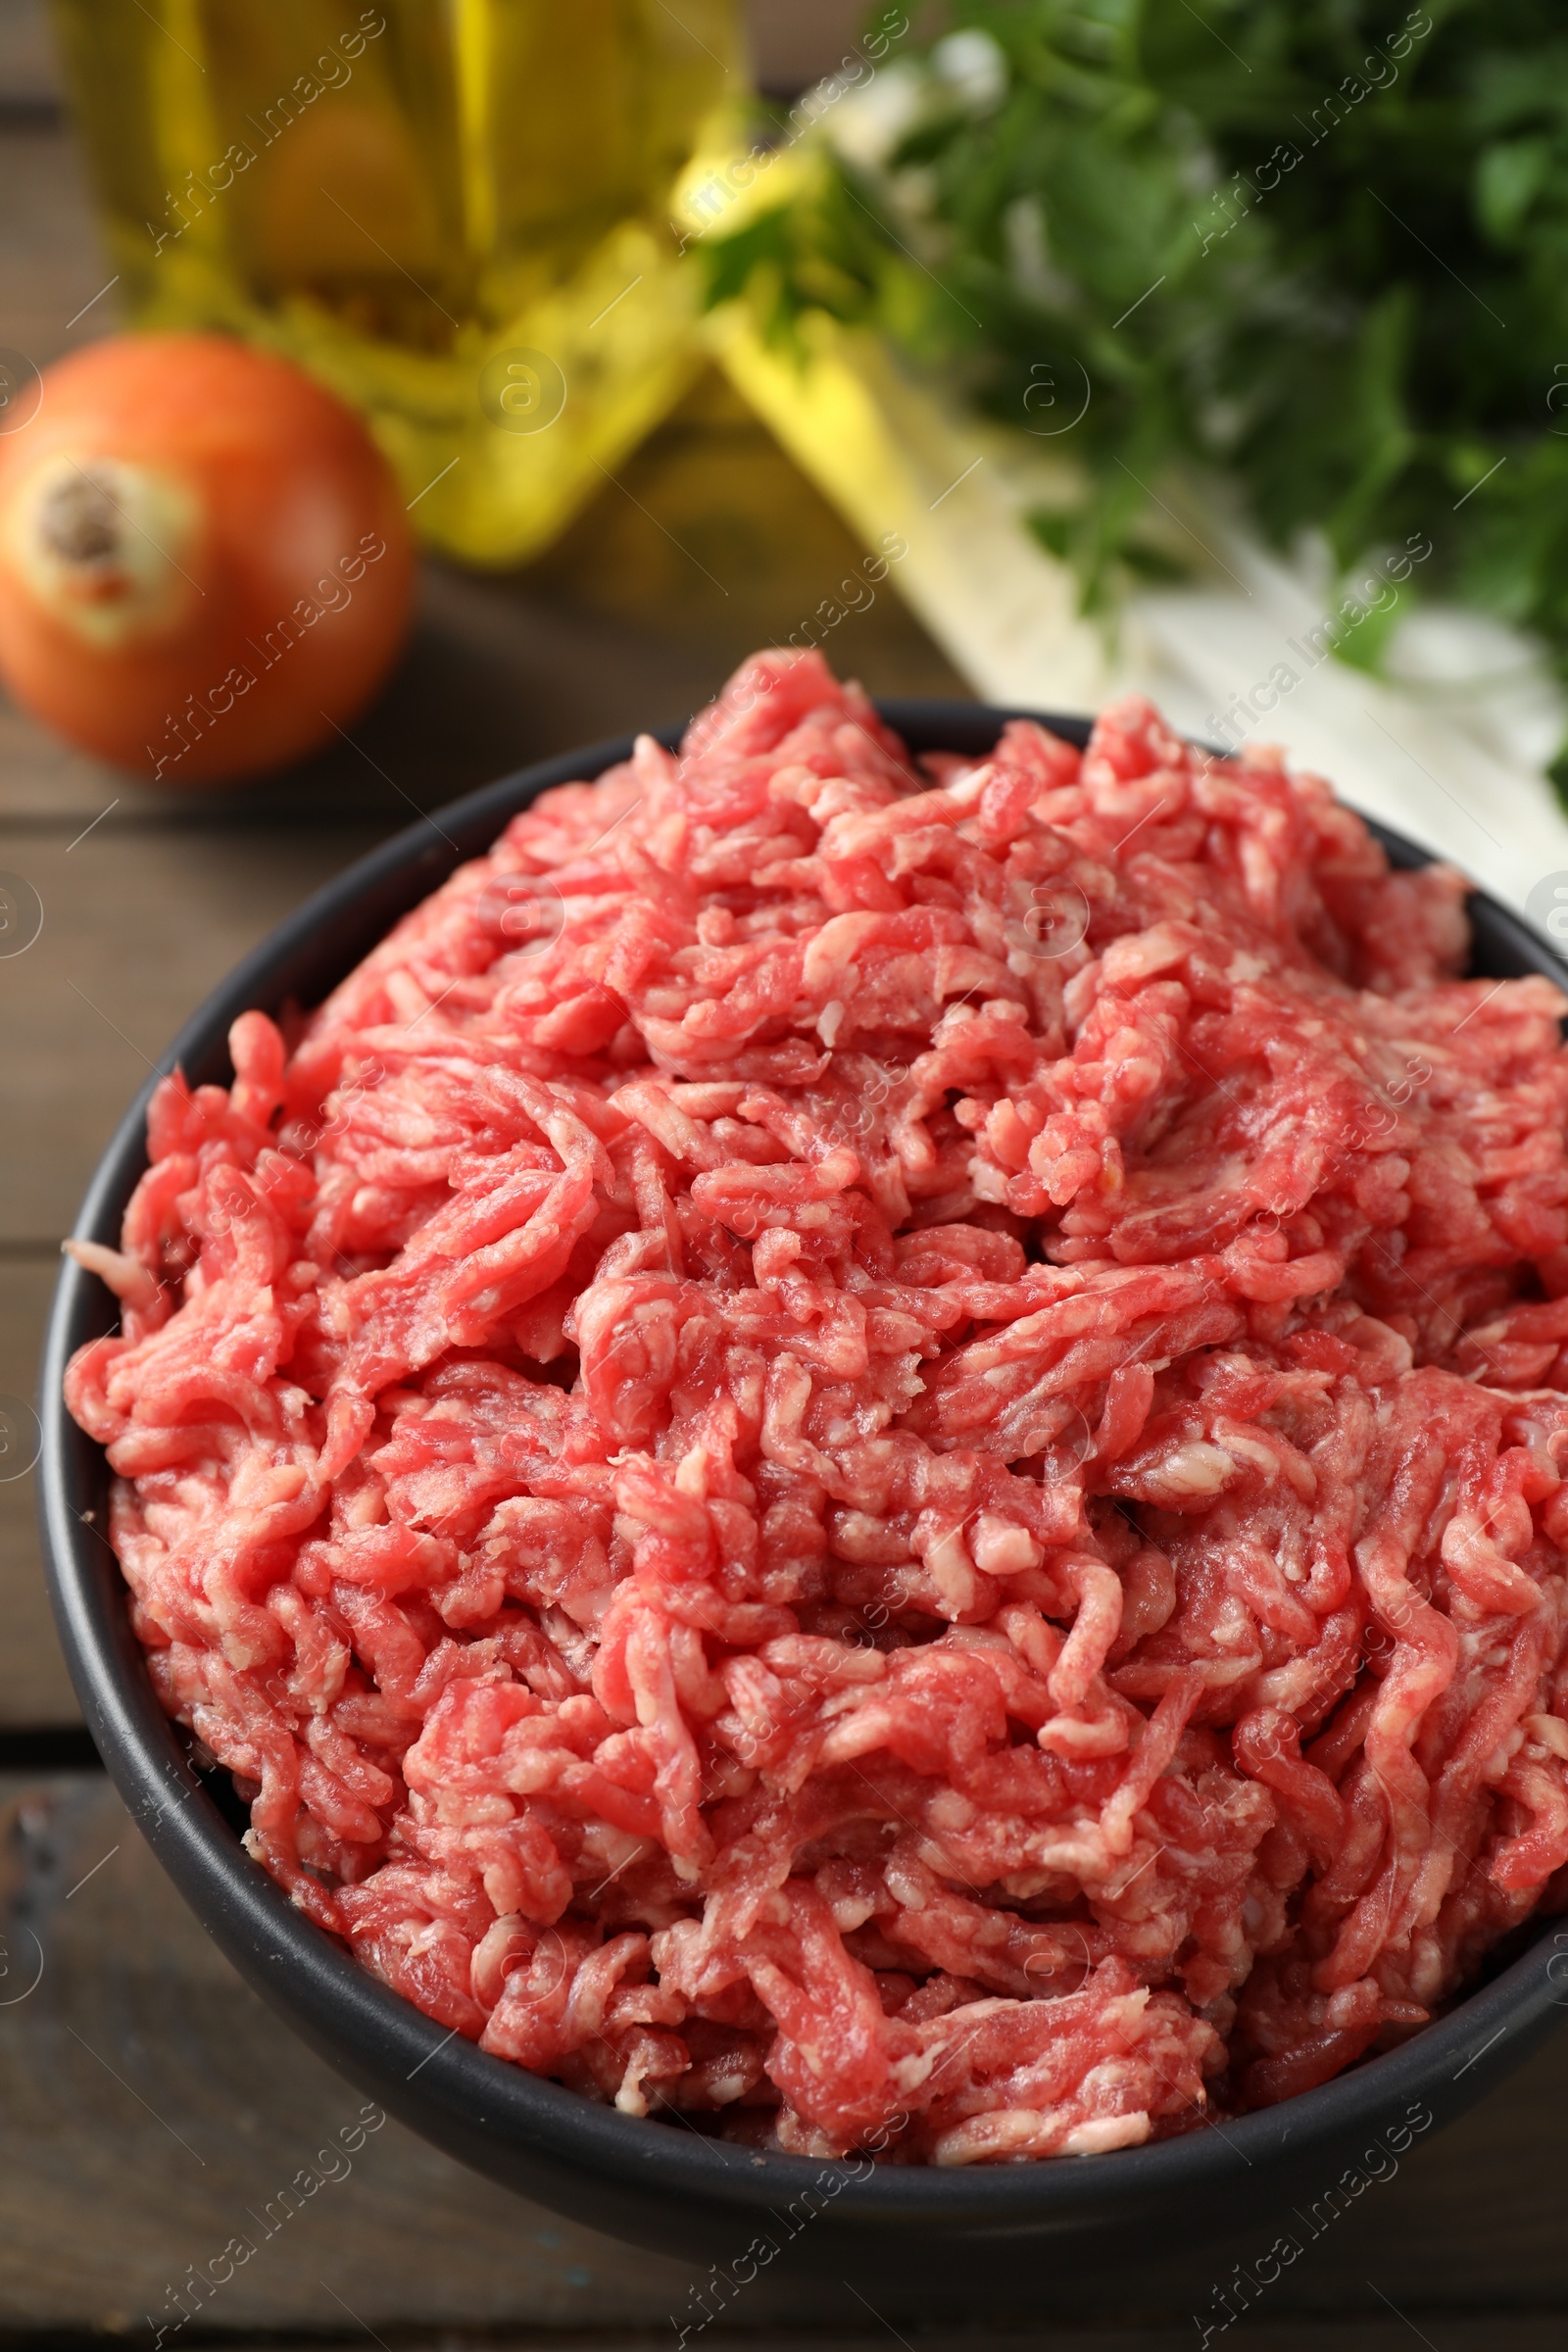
(1320, 246)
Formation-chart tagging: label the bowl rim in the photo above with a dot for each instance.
(362, 2026)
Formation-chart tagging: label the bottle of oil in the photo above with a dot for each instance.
(456, 212)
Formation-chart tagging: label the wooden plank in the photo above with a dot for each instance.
(794, 42)
(34, 1688)
(51, 263)
(151, 2106)
(137, 927)
(143, 2087)
(1492, 2332)
(28, 75)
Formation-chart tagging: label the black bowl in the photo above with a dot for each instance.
(656, 2183)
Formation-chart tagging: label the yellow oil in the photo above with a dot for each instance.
(456, 212)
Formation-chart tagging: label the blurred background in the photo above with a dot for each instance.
(1032, 350)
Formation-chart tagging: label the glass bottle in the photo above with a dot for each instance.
(456, 212)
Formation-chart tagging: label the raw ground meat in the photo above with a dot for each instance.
(873, 1449)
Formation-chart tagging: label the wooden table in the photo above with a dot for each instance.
(147, 2101)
